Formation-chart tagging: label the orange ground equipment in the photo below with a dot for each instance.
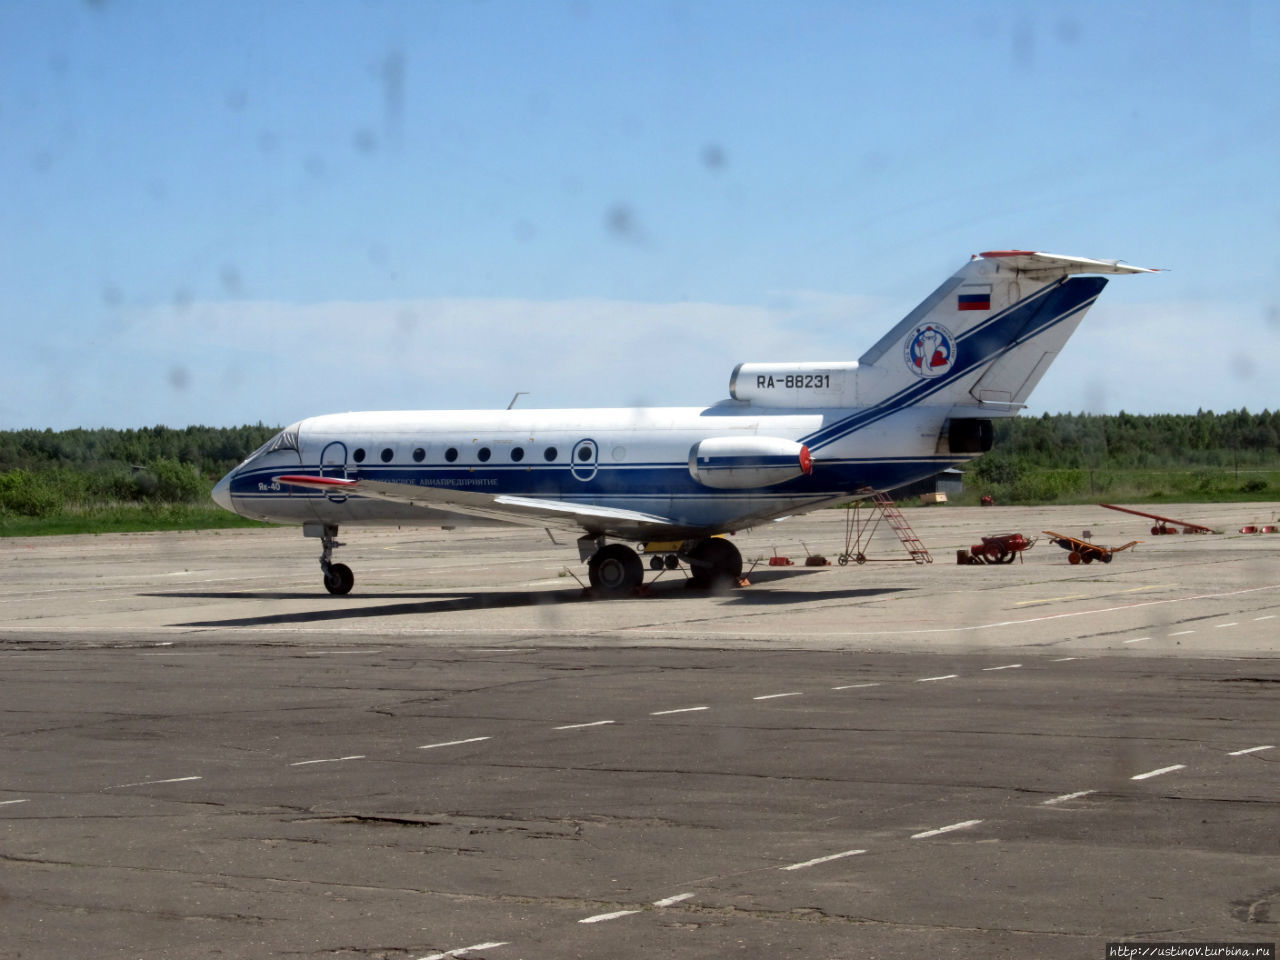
(1082, 551)
(1163, 525)
(1002, 548)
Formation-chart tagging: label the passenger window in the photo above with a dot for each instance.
(551, 453)
(358, 456)
(419, 455)
(517, 454)
(451, 454)
(387, 455)
(483, 454)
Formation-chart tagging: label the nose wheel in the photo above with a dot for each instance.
(338, 578)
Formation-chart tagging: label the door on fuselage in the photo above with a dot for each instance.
(333, 463)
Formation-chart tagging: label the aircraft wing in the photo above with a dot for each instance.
(532, 511)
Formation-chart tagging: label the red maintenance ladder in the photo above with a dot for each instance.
(859, 530)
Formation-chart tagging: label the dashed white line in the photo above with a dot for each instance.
(583, 726)
(1137, 639)
(1007, 666)
(855, 686)
(1221, 626)
(1233, 753)
(671, 901)
(1269, 616)
(148, 783)
(667, 713)
(461, 950)
(307, 763)
(452, 743)
(600, 917)
(8, 803)
(949, 676)
(775, 696)
(826, 859)
(1156, 773)
(1181, 633)
(947, 829)
(1067, 796)
(1064, 659)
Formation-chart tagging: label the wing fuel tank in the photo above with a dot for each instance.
(741, 463)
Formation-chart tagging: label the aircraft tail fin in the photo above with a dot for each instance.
(988, 334)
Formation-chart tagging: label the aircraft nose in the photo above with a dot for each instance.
(222, 493)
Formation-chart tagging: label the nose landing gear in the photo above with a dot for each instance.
(338, 578)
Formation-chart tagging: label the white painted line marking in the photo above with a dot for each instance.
(1068, 796)
(1137, 640)
(1181, 633)
(1234, 753)
(452, 743)
(1269, 616)
(1074, 596)
(669, 901)
(583, 726)
(148, 783)
(461, 950)
(949, 676)
(1064, 659)
(955, 826)
(855, 686)
(667, 713)
(1156, 773)
(7, 803)
(1007, 666)
(775, 696)
(1221, 626)
(814, 862)
(306, 763)
(599, 917)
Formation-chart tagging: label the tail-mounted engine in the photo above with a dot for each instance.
(796, 385)
(969, 435)
(740, 463)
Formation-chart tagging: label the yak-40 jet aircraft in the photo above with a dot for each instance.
(792, 437)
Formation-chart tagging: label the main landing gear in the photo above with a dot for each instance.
(338, 578)
(614, 569)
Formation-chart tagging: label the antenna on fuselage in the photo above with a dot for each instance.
(519, 394)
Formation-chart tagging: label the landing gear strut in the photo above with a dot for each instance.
(338, 578)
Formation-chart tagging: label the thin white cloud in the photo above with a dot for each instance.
(233, 362)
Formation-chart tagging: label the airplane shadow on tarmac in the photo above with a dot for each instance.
(445, 602)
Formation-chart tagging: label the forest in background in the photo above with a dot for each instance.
(76, 481)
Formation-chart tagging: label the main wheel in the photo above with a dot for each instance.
(615, 569)
(713, 562)
(339, 579)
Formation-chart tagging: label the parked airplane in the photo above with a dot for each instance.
(792, 437)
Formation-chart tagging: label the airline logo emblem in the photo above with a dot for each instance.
(931, 351)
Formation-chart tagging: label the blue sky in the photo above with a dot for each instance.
(226, 212)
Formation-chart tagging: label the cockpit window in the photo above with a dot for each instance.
(286, 439)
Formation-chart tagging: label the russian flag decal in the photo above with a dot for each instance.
(974, 298)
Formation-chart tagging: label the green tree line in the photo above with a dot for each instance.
(1204, 456)
(153, 477)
